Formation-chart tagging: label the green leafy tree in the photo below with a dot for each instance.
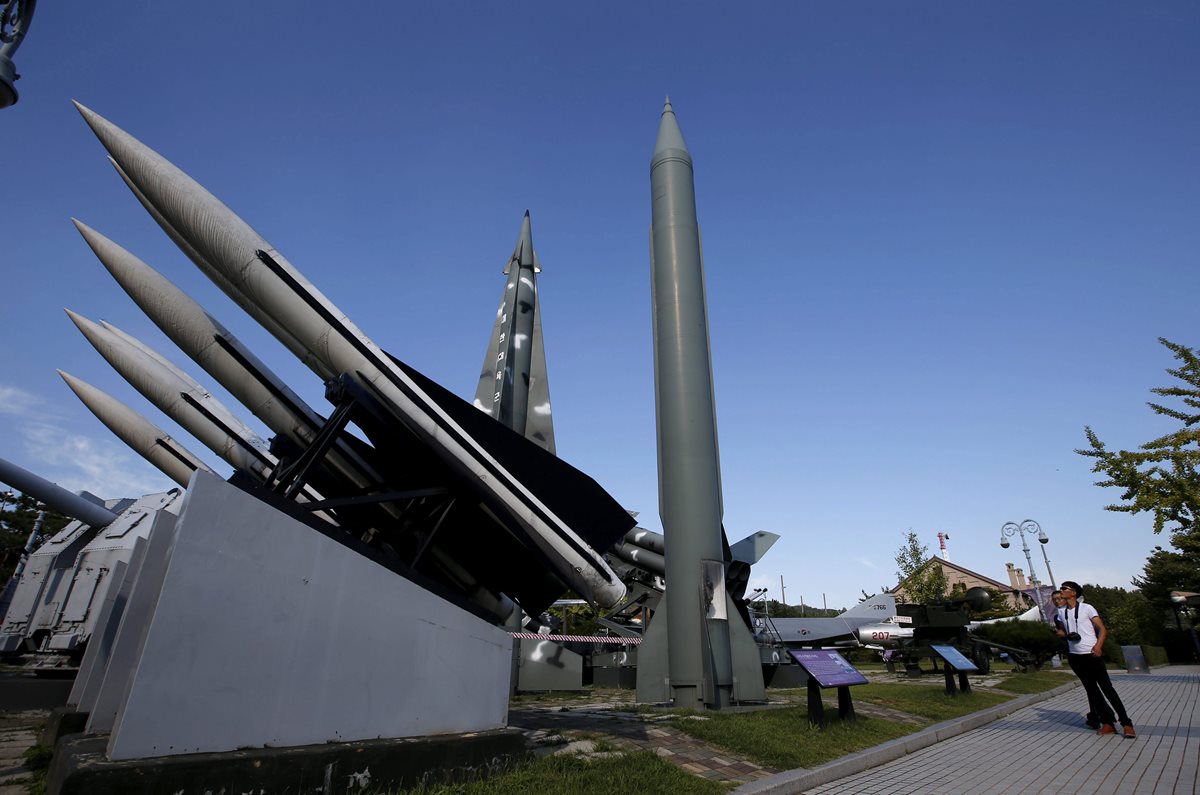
(1034, 637)
(17, 516)
(1168, 570)
(780, 610)
(1161, 478)
(1000, 606)
(923, 580)
(1129, 616)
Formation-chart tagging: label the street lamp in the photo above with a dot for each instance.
(1043, 539)
(15, 16)
(1007, 531)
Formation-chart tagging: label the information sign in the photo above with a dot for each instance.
(955, 658)
(829, 668)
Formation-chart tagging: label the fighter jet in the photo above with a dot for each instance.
(838, 630)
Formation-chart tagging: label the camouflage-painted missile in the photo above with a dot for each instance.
(641, 557)
(222, 355)
(184, 401)
(646, 539)
(513, 387)
(55, 495)
(254, 273)
(142, 436)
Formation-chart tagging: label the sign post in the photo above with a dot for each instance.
(954, 660)
(827, 668)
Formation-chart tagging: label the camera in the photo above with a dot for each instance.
(1073, 637)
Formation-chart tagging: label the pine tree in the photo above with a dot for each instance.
(1161, 478)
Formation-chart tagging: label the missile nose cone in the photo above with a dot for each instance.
(670, 139)
(81, 322)
(525, 244)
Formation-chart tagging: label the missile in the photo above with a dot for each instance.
(267, 322)
(55, 496)
(689, 473)
(147, 351)
(197, 411)
(643, 558)
(222, 355)
(647, 539)
(513, 387)
(143, 437)
(254, 273)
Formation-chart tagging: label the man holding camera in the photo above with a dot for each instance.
(1080, 624)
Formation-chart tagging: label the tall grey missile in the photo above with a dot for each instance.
(55, 495)
(197, 411)
(253, 272)
(689, 476)
(513, 387)
(221, 354)
(142, 436)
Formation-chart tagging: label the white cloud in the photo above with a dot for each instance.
(14, 400)
(105, 468)
(19, 403)
(865, 562)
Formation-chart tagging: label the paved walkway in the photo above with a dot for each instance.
(1039, 748)
(633, 732)
(18, 731)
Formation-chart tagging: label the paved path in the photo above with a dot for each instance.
(631, 731)
(1040, 748)
(18, 731)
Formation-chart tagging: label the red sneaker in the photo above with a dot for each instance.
(1130, 733)
(1107, 728)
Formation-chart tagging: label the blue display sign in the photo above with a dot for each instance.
(955, 657)
(829, 668)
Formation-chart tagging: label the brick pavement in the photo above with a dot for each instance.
(18, 732)
(632, 731)
(1043, 748)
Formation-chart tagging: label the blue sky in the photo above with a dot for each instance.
(940, 238)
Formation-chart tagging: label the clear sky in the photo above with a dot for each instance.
(940, 238)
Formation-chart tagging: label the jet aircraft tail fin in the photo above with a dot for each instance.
(881, 605)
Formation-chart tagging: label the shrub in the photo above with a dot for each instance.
(1035, 638)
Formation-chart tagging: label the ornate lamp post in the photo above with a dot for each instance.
(1043, 539)
(1007, 531)
(15, 16)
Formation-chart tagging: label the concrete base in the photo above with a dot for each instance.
(62, 721)
(546, 665)
(788, 676)
(79, 766)
(622, 678)
(266, 632)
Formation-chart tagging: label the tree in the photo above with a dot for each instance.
(999, 606)
(1161, 478)
(923, 581)
(18, 512)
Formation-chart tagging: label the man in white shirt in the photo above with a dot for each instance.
(1080, 624)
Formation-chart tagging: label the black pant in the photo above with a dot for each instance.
(1094, 676)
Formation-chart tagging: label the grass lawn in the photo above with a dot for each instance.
(623, 774)
(927, 702)
(1036, 681)
(783, 738)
